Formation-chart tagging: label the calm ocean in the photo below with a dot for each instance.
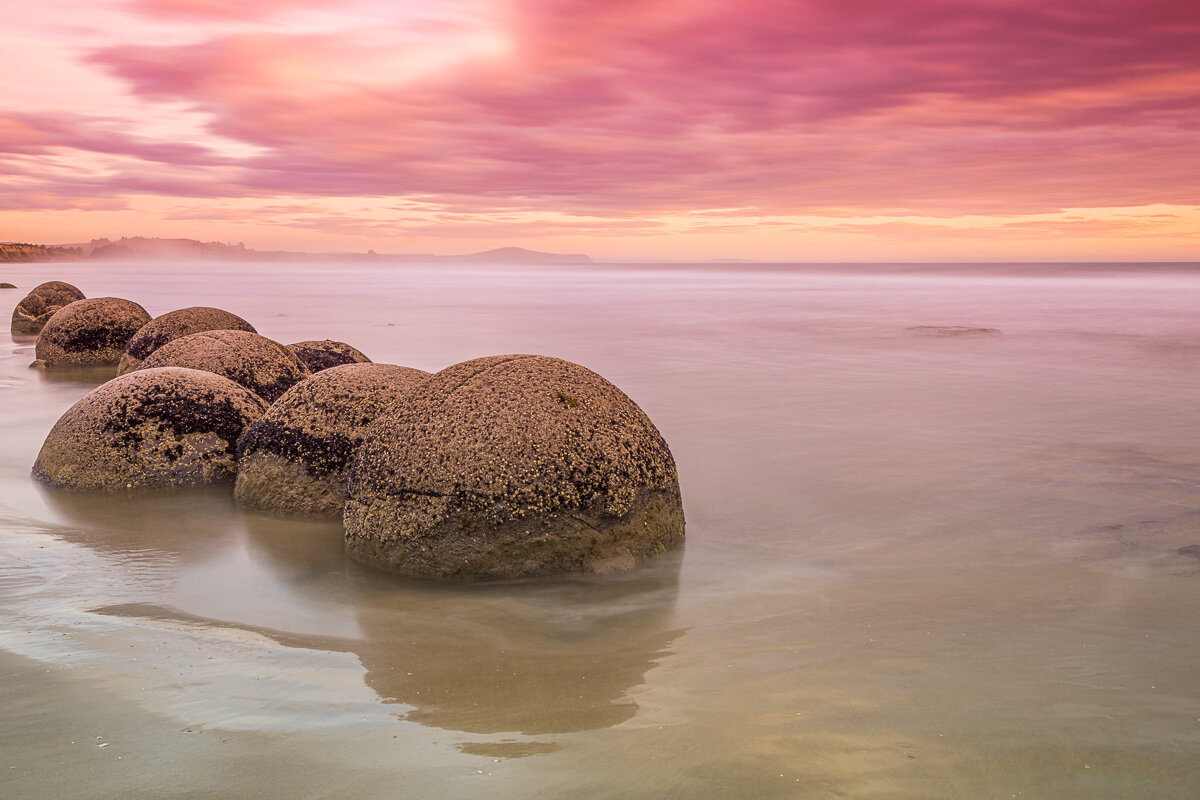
(943, 541)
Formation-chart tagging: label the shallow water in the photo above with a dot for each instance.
(921, 561)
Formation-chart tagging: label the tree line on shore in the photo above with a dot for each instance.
(24, 251)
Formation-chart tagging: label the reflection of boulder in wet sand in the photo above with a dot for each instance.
(90, 377)
(529, 659)
(951, 330)
(151, 428)
(321, 354)
(188, 522)
(263, 366)
(35, 310)
(294, 459)
(512, 466)
(297, 550)
(175, 325)
(89, 333)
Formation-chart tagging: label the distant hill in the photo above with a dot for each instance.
(517, 255)
(147, 248)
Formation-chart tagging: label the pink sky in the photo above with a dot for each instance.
(690, 129)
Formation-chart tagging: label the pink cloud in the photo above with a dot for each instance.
(21, 200)
(31, 134)
(1028, 230)
(220, 9)
(475, 228)
(635, 106)
(227, 214)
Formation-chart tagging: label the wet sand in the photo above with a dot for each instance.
(95, 743)
(918, 565)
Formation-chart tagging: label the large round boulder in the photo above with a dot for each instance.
(152, 428)
(511, 466)
(174, 325)
(320, 354)
(89, 333)
(294, 459)
(35, 310)
(263, 366)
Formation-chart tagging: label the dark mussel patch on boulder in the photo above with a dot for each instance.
(89, 333)
(149, 429)
(294, 459)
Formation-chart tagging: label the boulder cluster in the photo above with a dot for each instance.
(499, 467)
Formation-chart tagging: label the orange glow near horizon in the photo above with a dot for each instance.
(806, 131)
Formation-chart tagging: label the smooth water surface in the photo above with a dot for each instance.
(943, 540)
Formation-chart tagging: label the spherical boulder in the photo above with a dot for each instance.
(294, 459)
(149, 429)
(89, 333)
(511, 466)
(263, 366)
(174, 325)
(320, 354)
(35, 310)
(7, 285)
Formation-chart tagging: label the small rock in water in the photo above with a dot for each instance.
(951, 330)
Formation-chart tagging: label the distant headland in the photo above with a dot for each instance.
(145, 248)
(23, 251)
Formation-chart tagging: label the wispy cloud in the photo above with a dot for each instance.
(639, 108)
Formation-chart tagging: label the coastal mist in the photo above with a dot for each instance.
(943, 540)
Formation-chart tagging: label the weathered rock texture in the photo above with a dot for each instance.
(325, 353)
(511, 466)
(295, 458)
(174, 325)
(32, 313)
(265, 367)
(89, 333)
(151, 428)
